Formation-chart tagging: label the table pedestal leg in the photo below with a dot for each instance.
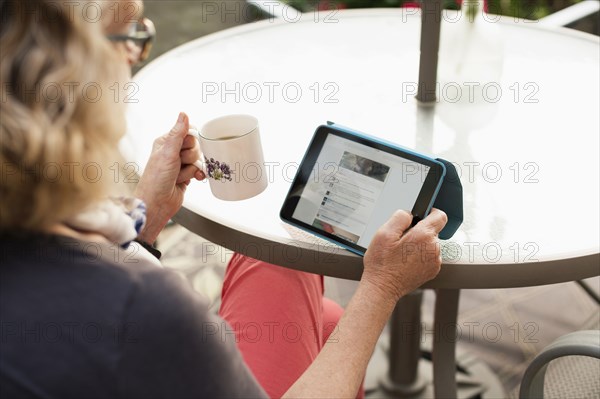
(403, 368)
(405, 347)
(431, 22)
(444, 343)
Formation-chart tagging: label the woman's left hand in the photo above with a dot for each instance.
(169, 171)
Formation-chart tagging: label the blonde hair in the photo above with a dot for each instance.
(60, 124)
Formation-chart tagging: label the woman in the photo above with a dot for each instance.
(85, 312)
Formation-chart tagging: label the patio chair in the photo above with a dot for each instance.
(574, 372)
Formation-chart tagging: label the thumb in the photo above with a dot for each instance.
(436, 220)
(179, 131)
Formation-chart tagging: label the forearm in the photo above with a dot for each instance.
(339, 368)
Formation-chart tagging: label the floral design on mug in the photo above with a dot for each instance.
(217, 170)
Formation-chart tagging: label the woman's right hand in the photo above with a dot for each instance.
(399, 259)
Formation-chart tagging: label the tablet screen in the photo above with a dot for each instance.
(353, 188)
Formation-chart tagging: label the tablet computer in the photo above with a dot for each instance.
(349, 184)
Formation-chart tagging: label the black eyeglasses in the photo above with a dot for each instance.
(141, 35)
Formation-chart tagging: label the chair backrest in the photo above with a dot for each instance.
(576, 370)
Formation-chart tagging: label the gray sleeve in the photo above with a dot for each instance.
(170, 346)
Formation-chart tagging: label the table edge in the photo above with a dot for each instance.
(327, 260)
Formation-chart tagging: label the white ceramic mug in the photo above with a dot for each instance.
(232, 157)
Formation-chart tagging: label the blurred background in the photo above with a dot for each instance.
(179, 21)
(530, 9)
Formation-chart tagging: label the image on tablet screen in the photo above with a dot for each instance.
(364, 166)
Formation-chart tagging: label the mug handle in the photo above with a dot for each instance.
(199, 163)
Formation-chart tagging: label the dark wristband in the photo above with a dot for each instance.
(155, 252)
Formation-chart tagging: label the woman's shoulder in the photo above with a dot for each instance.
(87, 267)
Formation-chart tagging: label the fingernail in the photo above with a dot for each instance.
(181, 117)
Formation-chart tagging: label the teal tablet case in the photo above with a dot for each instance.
(449, 198)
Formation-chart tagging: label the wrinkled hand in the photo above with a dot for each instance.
(167, 175)
(399, 261)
